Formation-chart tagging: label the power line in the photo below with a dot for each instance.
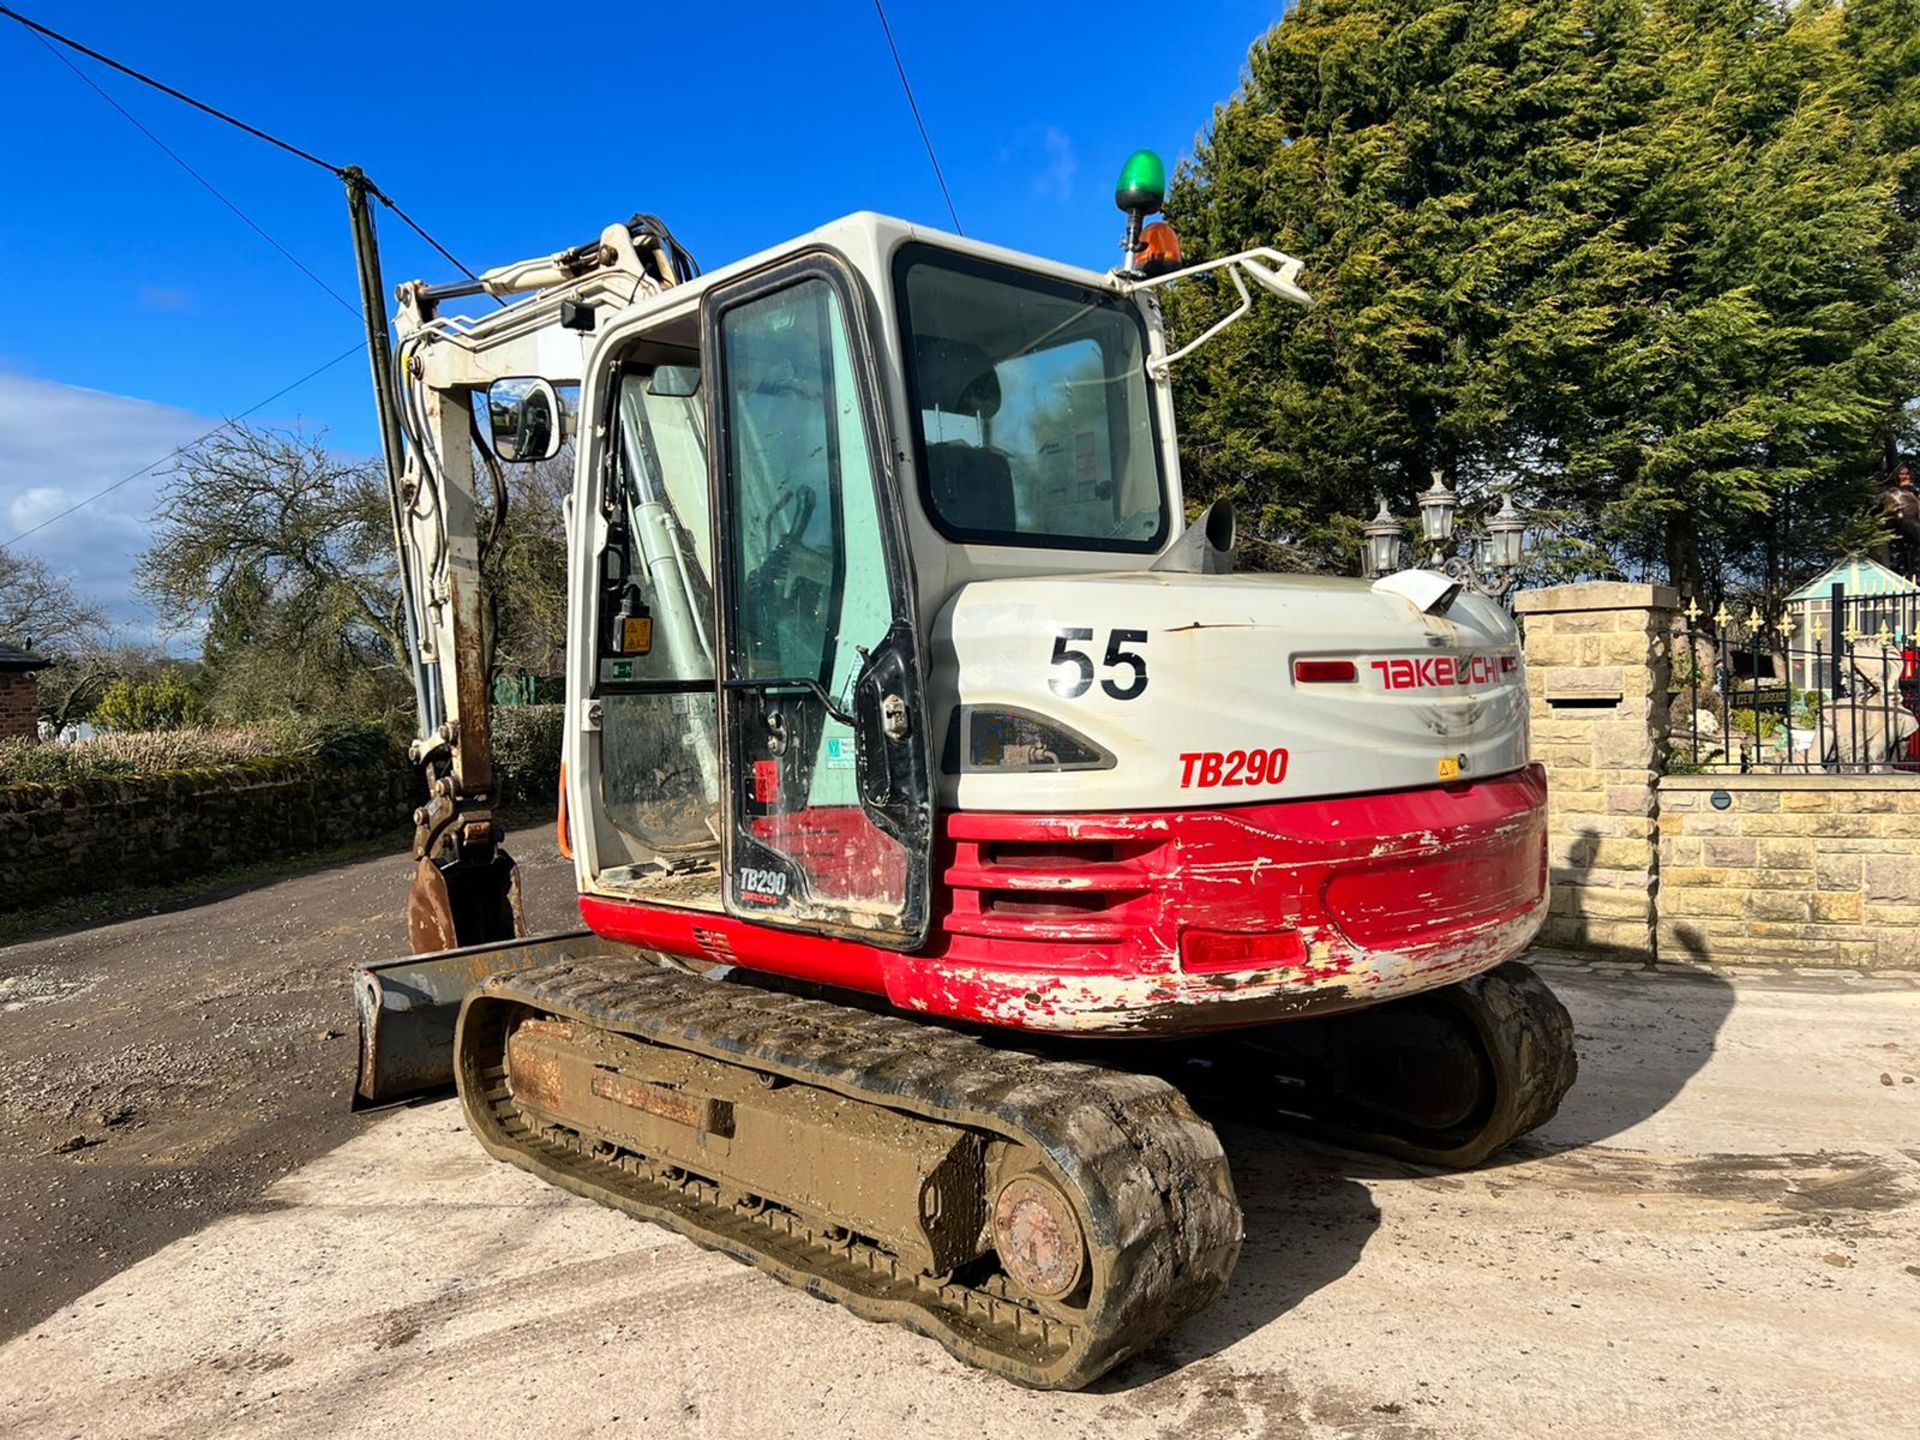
(214, 190)
(912, 104)
(166, 89)
(347, 173)
(229, 422)
(414, 225)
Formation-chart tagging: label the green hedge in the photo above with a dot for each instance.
(526, 753)
(164, 752)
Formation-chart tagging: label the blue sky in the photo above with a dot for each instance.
(141, 310)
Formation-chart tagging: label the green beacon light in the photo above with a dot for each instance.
(1142, 190)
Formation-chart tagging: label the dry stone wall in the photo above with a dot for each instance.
(60, 840)
(1808, 870)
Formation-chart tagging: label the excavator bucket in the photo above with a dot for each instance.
(408, 1008)
(461, 903)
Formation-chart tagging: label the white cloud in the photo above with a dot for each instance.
(33, 508)
(1046, 154)
(1056, 176)
(60, 444)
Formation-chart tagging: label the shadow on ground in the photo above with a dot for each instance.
(1307, 1223)
(1641, 1038)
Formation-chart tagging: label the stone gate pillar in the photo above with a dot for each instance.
(1597, 673)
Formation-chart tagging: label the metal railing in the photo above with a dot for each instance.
(521, 687)
(1744, 698)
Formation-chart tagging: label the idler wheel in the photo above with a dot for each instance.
(1038, 1237)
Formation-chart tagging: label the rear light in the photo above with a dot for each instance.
(1325, 672)
(1208, 952)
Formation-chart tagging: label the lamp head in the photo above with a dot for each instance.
(1142, 188)
(1437, 507)
(1507, 536)
(1380, 555)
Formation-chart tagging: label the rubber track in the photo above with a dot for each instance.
(1528, 1039)
(1535, 1059)
(1163, 1225)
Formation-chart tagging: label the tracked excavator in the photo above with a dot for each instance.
(953, 827)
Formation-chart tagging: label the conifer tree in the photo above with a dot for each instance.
(1642, 261)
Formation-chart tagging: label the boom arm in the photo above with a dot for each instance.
(465, 889)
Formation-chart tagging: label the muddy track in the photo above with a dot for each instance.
(1163, 1227)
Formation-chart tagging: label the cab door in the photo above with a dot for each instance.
(828, 813)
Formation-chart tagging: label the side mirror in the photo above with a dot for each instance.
(524, 419)
(675, 382)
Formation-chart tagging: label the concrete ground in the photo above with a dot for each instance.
(160, 1072)
(1719, 1235)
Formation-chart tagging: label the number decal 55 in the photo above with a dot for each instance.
(1073, 672)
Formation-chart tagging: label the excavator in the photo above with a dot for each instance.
(953, 824)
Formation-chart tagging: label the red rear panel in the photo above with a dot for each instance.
(1174, 921)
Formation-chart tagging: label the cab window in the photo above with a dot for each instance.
(1033, 417)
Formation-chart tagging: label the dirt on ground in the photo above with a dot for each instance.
(158, 1073)
(1719, 1234)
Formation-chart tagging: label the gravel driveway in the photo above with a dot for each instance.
(161, 1072)
(1718, 1236)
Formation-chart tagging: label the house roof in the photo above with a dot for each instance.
(1861, 576)
(14, 658)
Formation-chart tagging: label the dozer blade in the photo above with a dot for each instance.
(408, 1008)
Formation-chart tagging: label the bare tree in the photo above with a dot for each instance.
(284, 551)
(525, 566)
(41, 609)
(276, 508)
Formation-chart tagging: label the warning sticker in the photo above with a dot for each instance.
(840, 752)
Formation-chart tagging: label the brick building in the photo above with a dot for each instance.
(18, 693)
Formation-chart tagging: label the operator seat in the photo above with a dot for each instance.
(970, 486)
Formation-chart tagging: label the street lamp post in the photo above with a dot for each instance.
(1488, 562)
(1437, 509)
